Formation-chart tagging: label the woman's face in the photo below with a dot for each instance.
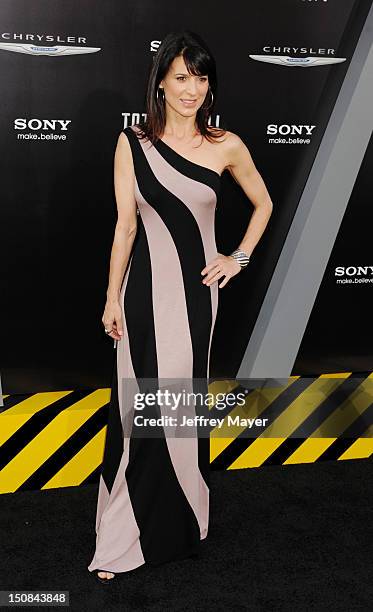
(184, 92)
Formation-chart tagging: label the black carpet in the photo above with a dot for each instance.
(281, 538)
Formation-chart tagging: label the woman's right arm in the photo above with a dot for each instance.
(124, 235)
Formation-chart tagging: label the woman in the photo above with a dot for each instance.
(162, 298)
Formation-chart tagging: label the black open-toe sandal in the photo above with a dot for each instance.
(104, 580)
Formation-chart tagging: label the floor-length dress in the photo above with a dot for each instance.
(153, 498)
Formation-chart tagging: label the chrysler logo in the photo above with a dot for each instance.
(56, 50)
(303, 62)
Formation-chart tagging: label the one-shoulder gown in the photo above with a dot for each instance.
(153, 496)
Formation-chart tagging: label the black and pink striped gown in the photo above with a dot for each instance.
(153, 500)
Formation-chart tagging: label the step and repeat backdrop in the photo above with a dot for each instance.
(73, 76)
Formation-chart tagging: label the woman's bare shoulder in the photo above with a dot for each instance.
(123, 143)
(234, 150)
(232, 139)
(228, 140)
(231, 146)
(123, 153)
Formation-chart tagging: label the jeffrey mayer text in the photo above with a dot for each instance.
(170, 421)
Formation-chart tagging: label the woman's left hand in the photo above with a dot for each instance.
(222, 265)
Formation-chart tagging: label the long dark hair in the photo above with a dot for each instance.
(199, 61)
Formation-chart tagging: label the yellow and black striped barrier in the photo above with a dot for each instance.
(56, 439)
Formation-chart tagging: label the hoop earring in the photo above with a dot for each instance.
(212, 100)
(160, 98)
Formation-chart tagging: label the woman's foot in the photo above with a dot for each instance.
(104, 576)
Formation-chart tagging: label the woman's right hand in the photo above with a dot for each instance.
(112, 319)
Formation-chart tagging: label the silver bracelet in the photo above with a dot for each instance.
(240, 256)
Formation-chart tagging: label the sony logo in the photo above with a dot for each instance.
(290, 129)
(354, 270)
(40, 124)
